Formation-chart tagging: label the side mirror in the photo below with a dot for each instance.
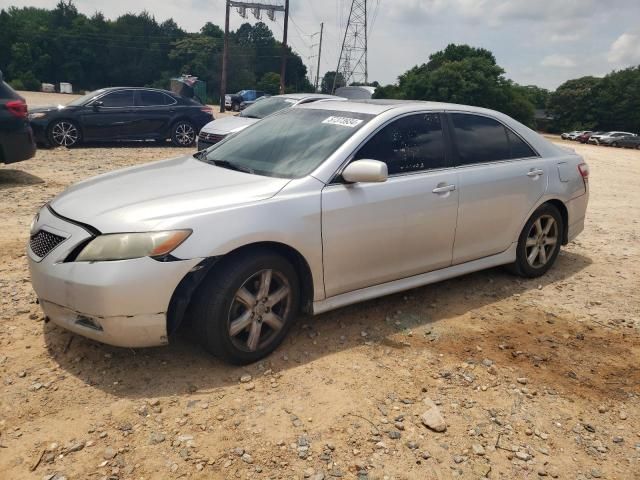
(366, 171)
(97, 104)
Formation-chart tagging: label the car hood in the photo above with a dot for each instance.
(227, 125)
(161, 194)
(50, 108)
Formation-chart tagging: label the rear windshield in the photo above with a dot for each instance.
(7, 92)
(289, 144)
(266, 106)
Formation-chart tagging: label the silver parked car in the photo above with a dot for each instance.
(311, 209)
(216, 130)
(608, 138)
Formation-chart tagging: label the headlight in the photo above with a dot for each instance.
(124, 246)
(33, 116)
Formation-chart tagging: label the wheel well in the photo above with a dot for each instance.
(564, 213)
(181, 299)
(293, 256)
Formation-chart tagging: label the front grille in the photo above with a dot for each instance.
(210, 137)
(43, 242)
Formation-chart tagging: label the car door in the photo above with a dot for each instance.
(374, 233)
(153, 113)
(108, 117)
(501, 178)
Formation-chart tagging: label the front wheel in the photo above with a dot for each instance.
(615, 144)
(539, 242)
(245, 308)
(235, 107)
(64, 133)
(183, 134)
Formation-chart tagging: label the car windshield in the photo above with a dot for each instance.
(266, 106)
(86, 98)
(290, 144)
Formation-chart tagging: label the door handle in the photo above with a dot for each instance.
(535, 173)
(444, 189)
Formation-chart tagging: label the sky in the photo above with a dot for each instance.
(537, 42)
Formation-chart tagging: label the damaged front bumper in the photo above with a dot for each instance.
(122, 303)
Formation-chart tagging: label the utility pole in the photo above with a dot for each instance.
(256, 8)
(225, 59)
(283, 67)
(319, 54)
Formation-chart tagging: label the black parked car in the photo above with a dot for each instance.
(121, 113)
(631, 141)
(16, 137)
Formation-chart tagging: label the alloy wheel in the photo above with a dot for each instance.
(259, 310)
(541, 241)
(65, 134)
(185, 134)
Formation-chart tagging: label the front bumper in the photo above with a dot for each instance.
(122, 303)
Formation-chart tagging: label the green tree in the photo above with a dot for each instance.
(572, 105)
(270, 83)
(466, 75)
(327, 82)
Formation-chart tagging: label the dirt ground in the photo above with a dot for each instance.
(534, 378)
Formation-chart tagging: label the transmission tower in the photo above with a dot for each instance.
(352, 63)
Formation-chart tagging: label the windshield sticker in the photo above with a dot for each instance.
(343, 121)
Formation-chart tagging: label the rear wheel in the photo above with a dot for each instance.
(245, 309)
(183, 134)
(235, 107)
(64, 133)
(539, 242)
(615, 144)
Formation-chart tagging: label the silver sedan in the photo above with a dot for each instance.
(311, 209)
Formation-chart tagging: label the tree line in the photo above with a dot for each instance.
(63, 45)
(40, 45)
(471, 76)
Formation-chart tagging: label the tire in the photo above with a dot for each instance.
(227, 315)
(638, 146)
(615, 144)
(529, 264)
(64, 133)
(235, 107)
(183, 134)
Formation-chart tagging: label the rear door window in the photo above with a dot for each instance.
(149, 98)
(480, 139)
(518, 148)
(409, 144)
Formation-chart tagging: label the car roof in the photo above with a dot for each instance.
(376, 107)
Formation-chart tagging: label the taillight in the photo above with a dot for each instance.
(17, 108)
(583, 168)
(208, 110)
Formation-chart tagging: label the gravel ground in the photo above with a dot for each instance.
(523, 378)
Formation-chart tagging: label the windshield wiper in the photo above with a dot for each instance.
(231, 166)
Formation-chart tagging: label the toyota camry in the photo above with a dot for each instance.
(308, 210)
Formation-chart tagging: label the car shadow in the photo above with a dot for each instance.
(184, 367)
(123, 144)
(10, 178)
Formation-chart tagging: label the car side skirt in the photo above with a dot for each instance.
(344, 299)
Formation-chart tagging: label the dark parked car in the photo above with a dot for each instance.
(631, 141)
(242, 99)
(121, 113)
(16, 137)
